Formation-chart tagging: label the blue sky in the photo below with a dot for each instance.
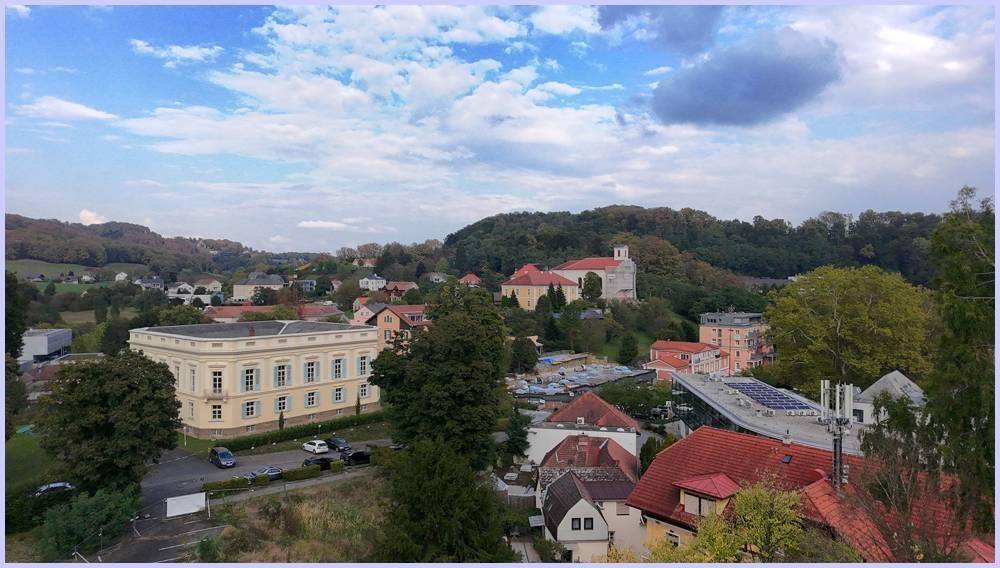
(313, 128)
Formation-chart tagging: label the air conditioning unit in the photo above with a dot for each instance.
(731, 391)
(802, 413)
(580, 420)
(769, 412)
(789, 413)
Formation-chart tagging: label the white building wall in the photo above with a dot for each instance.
(46, 344)
(541, 440)
(629, 532)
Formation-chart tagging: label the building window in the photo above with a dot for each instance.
(216, 412)
(177, 376)
(312, 417)
(190, 410)
(387, 319)
(588, 524)
(363, 390)
(363, 366)
(388, 335)
(250, 409)
(251, 428)
(249, 380)
(338, 394)
(310, 374)
(216, 382)
(281, 404)
(280, 376)
(311, 398)
(340, 411)
(193, 378)
(576, 524)
(216, 432)
(338, 368)
(695, 505)
(673, 539)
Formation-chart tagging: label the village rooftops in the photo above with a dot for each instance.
(751, 415)
(591, 410)
(249, 329)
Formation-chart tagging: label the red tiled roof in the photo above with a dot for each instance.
(318, 310)
(362, 300)
(980, 550)
(819, 500)
(401, 286)
(470, 278)
(595, 412)
(685, 346)
(525, 269)
(590, 263)
(583, 451)
(235, 311)
(405, 313)
(673, 362)
(537, 278)
(716, 485)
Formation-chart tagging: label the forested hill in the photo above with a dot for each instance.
(769, 248)
(52, 240)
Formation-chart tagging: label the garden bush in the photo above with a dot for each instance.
(301, 473)
(263, 479)
(336, 467)
(303, 431)
(86, 523)
(24, 512)
(234, 483)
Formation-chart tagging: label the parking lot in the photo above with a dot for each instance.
(161, 540)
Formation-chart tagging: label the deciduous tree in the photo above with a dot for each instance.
(523, 355)
(181, 315)
(628, 350)
(591, 287)
(15, 319)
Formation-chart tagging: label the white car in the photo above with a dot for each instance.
(316, 447)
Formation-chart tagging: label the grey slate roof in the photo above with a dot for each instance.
(896, 384)
(262, 279)
(560, 497)
(260, 328)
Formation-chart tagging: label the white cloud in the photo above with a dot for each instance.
(58, 109)
(144, 183)
(19, 10)
(25, 70)
(278, 239)
(560, 20)
(334, 225)
(174, 55)
(659, 71)
(88, 217)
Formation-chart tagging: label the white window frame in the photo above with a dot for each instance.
(194, 378)
(282, 371)
(217, 381)
(315, 396)
(363, 390)
(216, 412)
(363, 366)
(309, 372)
(255, 405)
(339, 394)
(338, 368)
(251, 374)
(281, 404)
(190, 409)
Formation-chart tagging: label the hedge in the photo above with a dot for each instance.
(298, 473)
(234, 483)
(24, 512)
(302, 431)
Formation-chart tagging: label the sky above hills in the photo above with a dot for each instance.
(313, 128)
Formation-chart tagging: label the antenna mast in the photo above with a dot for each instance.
(837, 402)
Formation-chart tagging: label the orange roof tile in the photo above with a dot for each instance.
(537, 278)
(595, 411)
(470, 278)
(589, 263)
(716, 485)
(685, 346)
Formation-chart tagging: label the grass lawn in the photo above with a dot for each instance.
(23, 547)
(611, 348)
(23, 267)
(67, 287)
(374, 431)
(87, 316)
(25, 459)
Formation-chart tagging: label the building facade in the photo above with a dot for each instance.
(44, 344)
(234, 379)
(617, 273)
(743, 335)
(372, 283)
(666, 356)
(531, 285)
(399, 319)
(244, 289)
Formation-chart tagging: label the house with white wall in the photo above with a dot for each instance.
(587, 414)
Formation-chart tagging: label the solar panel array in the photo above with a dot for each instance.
(769, 396)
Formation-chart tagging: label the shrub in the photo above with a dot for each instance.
(24, 512)
(302, 473)
(234, 483)
(303, 431)
(336, 467)
(263, 479)
(548, 550)
(208, 550)
(78, 525)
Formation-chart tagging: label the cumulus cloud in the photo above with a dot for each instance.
(279, 240)
(88, 217)
(19, 10)
(565, 19)
(685, 29)
(332, 225)
(59, 109)
(173, 55)
(751, 82)
(144, 183)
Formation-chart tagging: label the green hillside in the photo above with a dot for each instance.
(51, 270)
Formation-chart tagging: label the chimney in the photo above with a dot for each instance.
(251, 332)
(787, 438)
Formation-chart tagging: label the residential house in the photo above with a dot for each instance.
(608, 472)
(743, 335)
(586, 414)
(121, 277)
(896, 385)
(397, 319)
(617, 273)
(209, 284)
(88, 278)
(71, 280)
(573, 517)
(232, 314)
(437, 277)
(365, 262)
(373, 282)
(179, 289)
(335, 284)
(243, 290)
(396, 289)
(239, 378)
(149, 283)
(471, 280)
(534, 340)
(307, 286)
(38, 376)
(35, 277)
(319, 312)
(533, 284)
(44, 344)
(700, 474)
(358, 302)
(365, 312)
(666, 356)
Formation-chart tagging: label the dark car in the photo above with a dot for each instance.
(221, 457)
(338, 445)
(356, 457)
(269, 470)
(322, 461)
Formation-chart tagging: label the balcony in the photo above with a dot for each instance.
(216, 394)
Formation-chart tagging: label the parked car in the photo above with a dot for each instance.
(322, 461)
(269, 470)
(221, 457)
(316, 447)
(57, 487)
(356, 457)
(338, 445)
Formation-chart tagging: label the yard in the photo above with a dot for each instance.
(25, 459)
(375, 431)
(87, 316)
(332, 523)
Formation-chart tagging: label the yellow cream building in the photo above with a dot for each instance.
(236, 378)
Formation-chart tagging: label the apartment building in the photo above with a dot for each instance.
(236, 378)
(743, 335)
(397, 319)
(667, 356)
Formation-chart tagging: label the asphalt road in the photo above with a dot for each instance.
(180, 473)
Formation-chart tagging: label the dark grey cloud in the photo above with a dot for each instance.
(686, 29)
(755, 81)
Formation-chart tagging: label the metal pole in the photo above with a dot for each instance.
(185, 436)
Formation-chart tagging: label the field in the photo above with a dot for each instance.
(611, 348)
(51, 270)
(87, 316)
(334, 523)
(25, 459)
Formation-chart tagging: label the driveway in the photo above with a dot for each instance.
(180, 473)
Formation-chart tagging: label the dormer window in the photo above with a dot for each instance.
(698, 505)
